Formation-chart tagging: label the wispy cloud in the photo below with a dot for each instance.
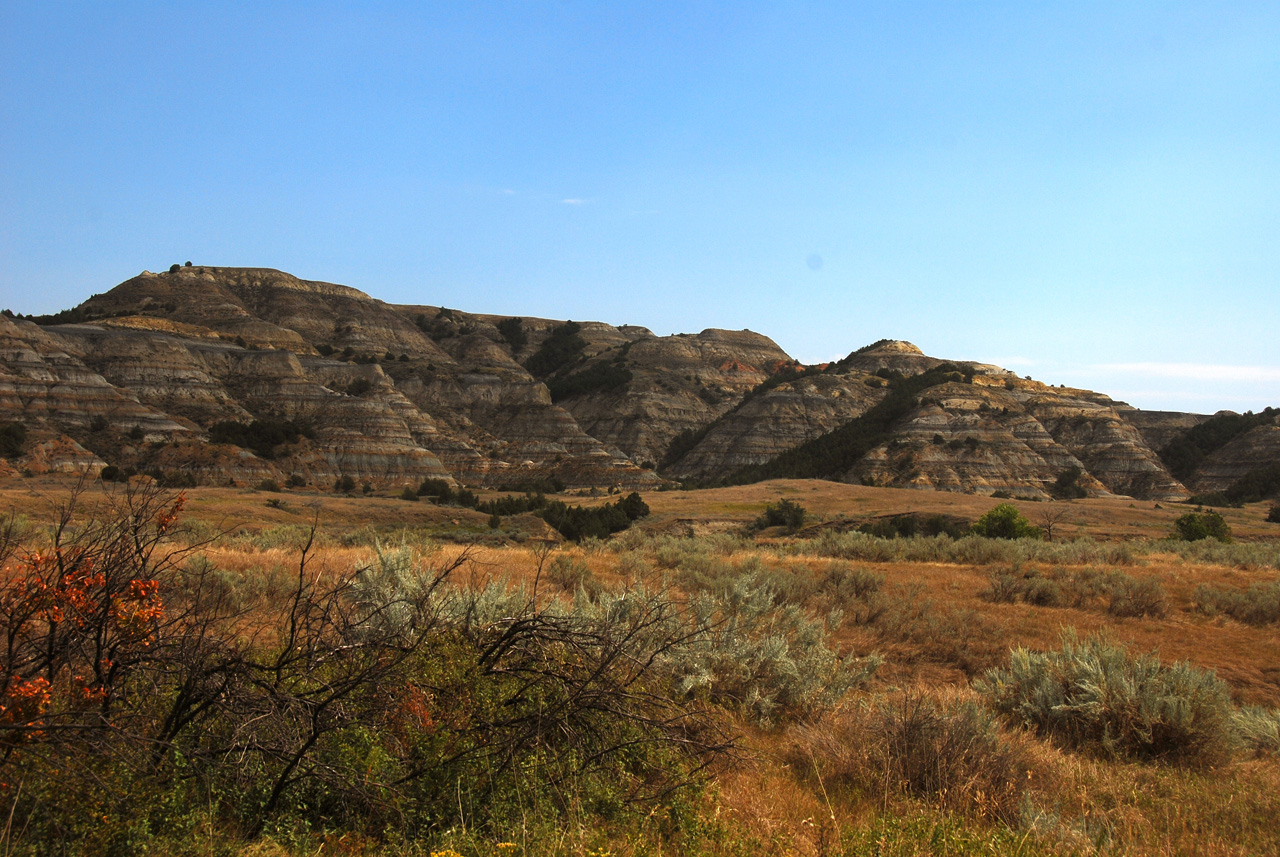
(1196, 371)
(573, 201)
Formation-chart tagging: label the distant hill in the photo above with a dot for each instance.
(324, 381)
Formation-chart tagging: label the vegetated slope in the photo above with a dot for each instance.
(1236, 454)
(392, 394)
(780, 414)
(953, 426)
(832, 455)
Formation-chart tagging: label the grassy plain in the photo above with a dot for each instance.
(825, 780)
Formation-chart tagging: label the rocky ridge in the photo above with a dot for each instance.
(394, 394)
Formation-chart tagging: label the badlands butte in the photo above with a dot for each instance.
(327, 382)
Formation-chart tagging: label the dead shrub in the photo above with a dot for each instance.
(1130, 597)
(941, 632)
(948, 752)
(572, 574)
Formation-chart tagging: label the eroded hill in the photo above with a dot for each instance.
(148, 375)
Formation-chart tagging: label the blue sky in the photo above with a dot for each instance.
(1087, 193)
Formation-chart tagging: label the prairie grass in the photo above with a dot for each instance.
(829, 759)
(1259, 605)
(947, 752)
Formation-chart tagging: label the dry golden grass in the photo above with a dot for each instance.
(943, 632)
(1117, 518)
(830, 502)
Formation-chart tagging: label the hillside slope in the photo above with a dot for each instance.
(390, 395)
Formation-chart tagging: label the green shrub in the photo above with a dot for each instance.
(12, 438)
(769, 663)
(263, 437)
(1244, 555)
(1260, 605)
(576, 523)
(1273, 515)
(409, 494)
(975, 550)
(512, 330)
(1095, 696)
(539, 485)
(1067, 486)
(784, 513)
(1195, 526)
(512, 505)
(438, 490)
(1005, 522)
(1259, 730)
(563, 348)
(634, 506)
(601, 377)
(1079, 588)
(345, 484)
(916, 524)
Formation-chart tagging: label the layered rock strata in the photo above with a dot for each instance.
(393, 394)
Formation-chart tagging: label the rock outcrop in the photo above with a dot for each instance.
(766, 425)
(1251, 450)
(679, 383)
(393, 394)
(1110, 449)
